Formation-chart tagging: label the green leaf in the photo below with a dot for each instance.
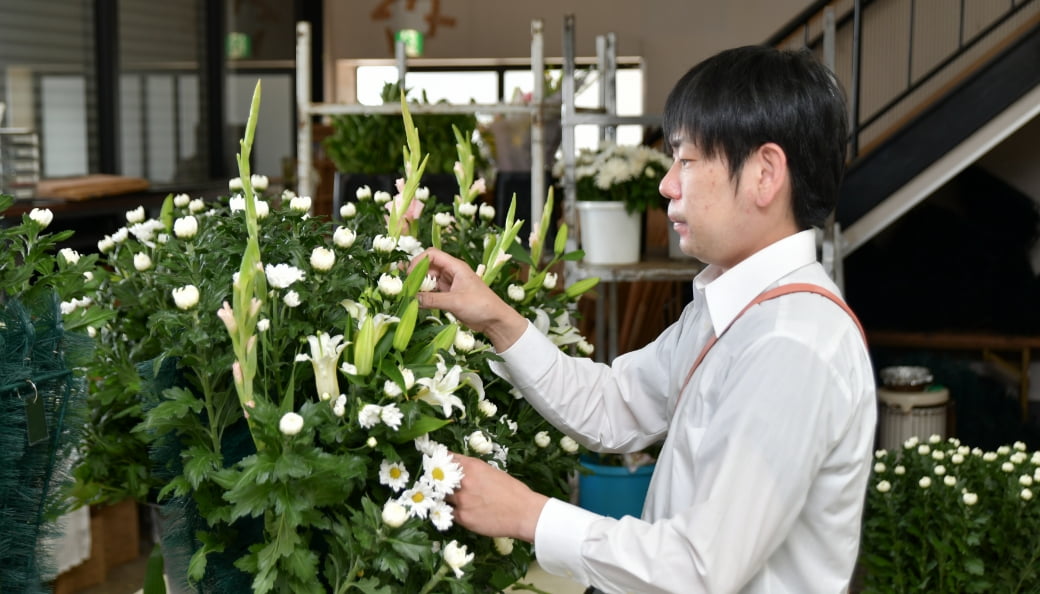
(154, 582)
(581, 287)
(421, 426)
(975, 566)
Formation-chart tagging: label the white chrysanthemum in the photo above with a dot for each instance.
(949, 480)
(879, 467)
(363, 193)
(925, 482)
(281, 276)
(940, 470)
(259, 182)
(1004, 450)
(425, 445)
(181, 200)
(1007, 467)
(487, 212)
(1018, 457)
(1019, 446)
(970, 498)
(339, 407)
(186, 227)
(344, 237)
(263, 325)
(422, 193)
(322, 259)
(394, 514)
(121, 235)
(186, 297)
(884, 486)
(585, 347)
(106, 244)
(142, 261)
(291, 299)
(911, 442)
(550, 281)
(542, 439)
(441, 516)
(456, 557)
(290, 423)
(196, 206)
(957, 459)
(480, 443)
(428, 284)
(390, 285)
(441, 471)
(569, 445)
(443, 219)
(1026, 494)
(235, 184)
(135, 216)
(938, 455)
(899, 470)
(419, 499)
(384, 243)
(934, 438)
(467, 209)
(391, 416)
(41, 216)
(300, 204)
(381, 197)
(924, 450)
(70, 255)
(368, 416)
(410, 245)
(391, 389)
(1025, 480)
(393, 475)
(989, 456)
(464, 341)
(67, 307)
(503, 544)
(516, 292)
(487, 408)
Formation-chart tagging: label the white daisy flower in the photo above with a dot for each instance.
(393, 475)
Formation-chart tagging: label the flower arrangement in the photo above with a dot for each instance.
(302, 407)
(944, 517)
(625, 173)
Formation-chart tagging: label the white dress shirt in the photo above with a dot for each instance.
(761, 480)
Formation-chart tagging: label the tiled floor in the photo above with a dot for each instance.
(128, 578)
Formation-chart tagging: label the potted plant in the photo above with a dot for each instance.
(615, 484)
(366, 149)
(615, 185)
(942, 516)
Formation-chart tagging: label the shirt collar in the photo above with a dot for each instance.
(727, 294)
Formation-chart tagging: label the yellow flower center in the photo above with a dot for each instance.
(418, 497)
(438, 474)
(395, 472)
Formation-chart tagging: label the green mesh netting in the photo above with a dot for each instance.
(180, 520)
(34, 364)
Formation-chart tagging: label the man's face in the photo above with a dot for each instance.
(706, 207)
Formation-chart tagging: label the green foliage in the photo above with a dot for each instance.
(288, 484)
(371, 143)
(944, 517)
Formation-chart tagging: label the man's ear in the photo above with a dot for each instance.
(772, 174)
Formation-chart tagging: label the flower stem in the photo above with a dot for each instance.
(434, 580)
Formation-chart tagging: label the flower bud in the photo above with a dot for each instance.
(300, 204)
(479, 443)
(135, 216)
(186, 227)
(390, 285)
(186, 297)
(181, 200)
(542, 439)
(487, 212)
(41, 216)
(322, 259)
(363, 193)
(290, 424)
(142, 261)
(70, 255)
(394, 514)
(343, 237)
(569, 445)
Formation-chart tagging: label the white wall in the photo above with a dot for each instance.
(670, 35)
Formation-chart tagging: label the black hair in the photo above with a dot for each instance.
(739, 99)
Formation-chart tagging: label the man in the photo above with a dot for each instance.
(767, 432)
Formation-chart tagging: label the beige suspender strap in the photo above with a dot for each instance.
(773, 294)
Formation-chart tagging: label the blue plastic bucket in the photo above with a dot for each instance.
(613, 490)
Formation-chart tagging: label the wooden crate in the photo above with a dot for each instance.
(121, 537)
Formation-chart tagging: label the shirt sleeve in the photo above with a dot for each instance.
(607, 408)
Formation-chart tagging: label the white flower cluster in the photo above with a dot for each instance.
(424, 498)
(612, 164)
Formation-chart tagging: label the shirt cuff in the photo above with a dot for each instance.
(558, 539)
(527, 359)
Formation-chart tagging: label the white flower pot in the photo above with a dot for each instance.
(609, 234)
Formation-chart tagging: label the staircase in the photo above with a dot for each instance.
(932, 85)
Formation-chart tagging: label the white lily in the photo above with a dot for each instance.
(439, 389)
(324, 357)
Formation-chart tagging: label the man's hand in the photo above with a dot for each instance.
(464, 294)
(492, 503)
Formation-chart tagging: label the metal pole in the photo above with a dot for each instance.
(304, 128)
(857, 40)
(609, 85)
(567, 129)
(537, 124)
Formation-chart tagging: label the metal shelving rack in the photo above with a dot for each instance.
(306, 109)
(606, 117)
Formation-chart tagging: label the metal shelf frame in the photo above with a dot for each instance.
(306, 109)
